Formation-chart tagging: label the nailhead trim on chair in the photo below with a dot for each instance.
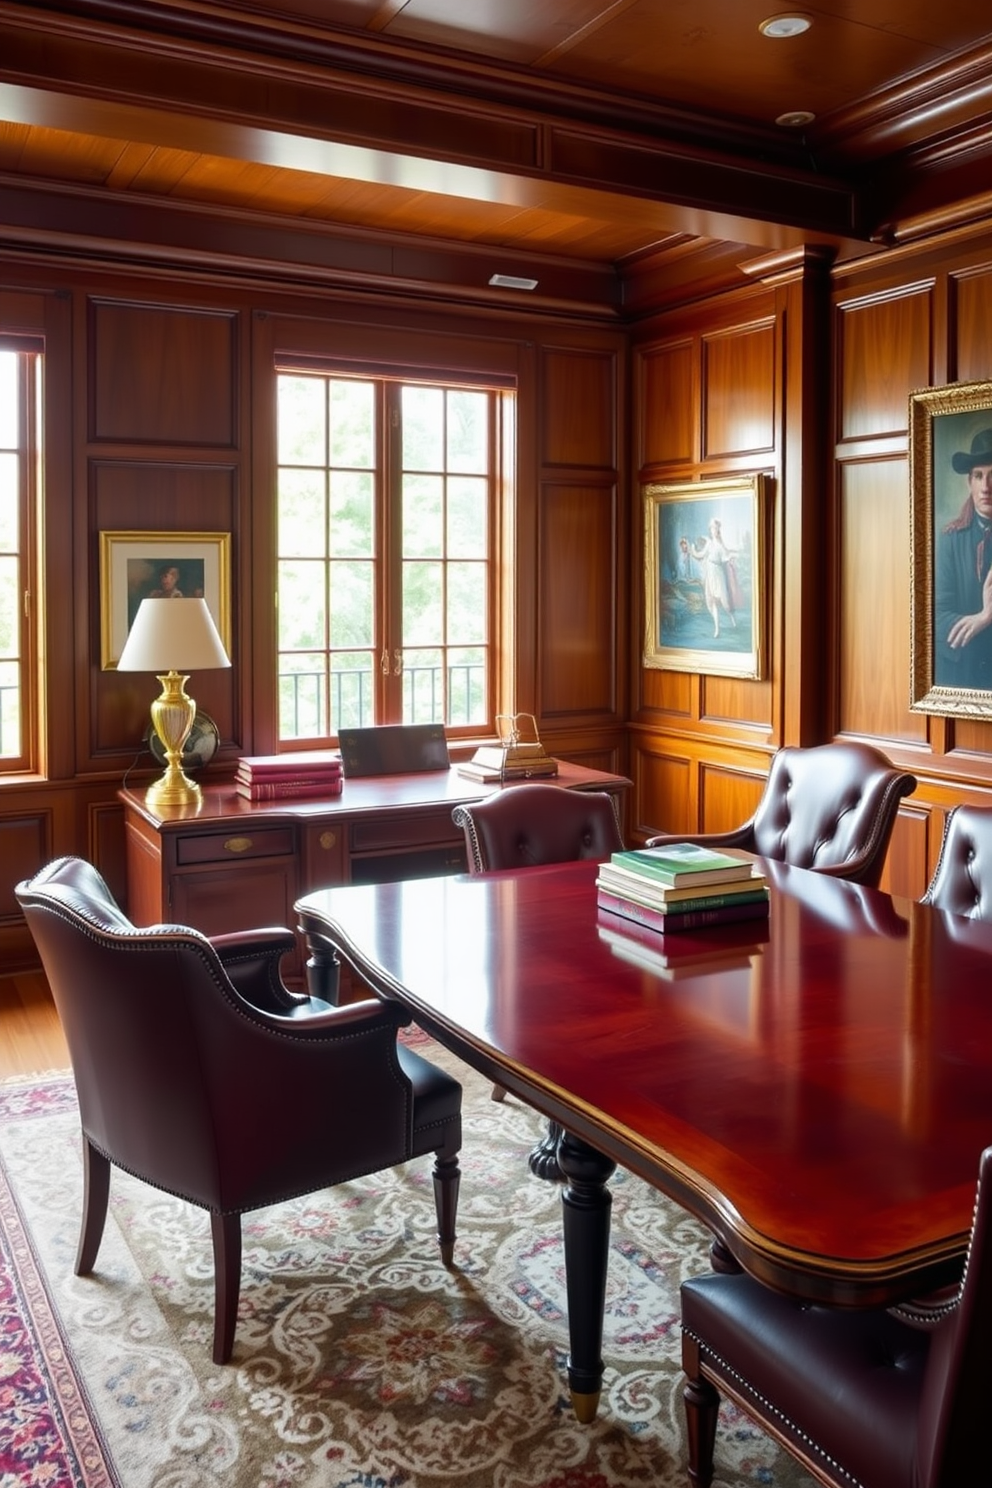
(748, 1392)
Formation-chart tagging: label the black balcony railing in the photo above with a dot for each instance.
(302, 700)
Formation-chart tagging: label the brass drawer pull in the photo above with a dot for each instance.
(328, 840)
(237, 844)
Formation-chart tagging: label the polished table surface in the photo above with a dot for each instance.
(816, 1089)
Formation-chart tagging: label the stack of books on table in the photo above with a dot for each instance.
(681, 886)
(281, 777)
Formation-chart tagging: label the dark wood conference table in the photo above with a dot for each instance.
(816, 1089)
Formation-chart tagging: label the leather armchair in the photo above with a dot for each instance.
(198, 1071)
(830, 808)
(883, 1399)
(523, 826)
(962, 879)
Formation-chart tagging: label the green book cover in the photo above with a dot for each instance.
(680, 862)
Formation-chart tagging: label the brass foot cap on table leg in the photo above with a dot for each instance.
(585, 1407)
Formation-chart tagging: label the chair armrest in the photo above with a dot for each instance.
(309, 1017)
(251, 959)
(739, 837)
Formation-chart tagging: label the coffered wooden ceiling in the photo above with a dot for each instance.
(565, 140)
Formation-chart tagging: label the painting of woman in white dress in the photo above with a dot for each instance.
(703, 576)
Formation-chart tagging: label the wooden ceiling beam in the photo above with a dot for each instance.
(106, 80)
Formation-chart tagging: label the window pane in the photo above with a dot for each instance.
(9, 609)
(423, 428)
(468, 431)
(423, 516)
(352, 424)
(423, 686)
(466, 603)
(301, 696)
(10, 710)
(301, 606)
(302, 420)
(467, 689)
(423, 604)
(352, 514)
(352, 602)
(302, 525)
(352, 691)
(468, 527)
(9, 400)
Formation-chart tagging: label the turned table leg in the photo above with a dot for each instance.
(586, 1203)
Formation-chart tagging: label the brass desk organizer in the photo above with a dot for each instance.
(519, 755)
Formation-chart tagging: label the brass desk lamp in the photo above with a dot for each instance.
(173, 637)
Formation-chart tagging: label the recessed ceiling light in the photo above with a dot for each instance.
(796, 119)
(785, 25)
(511, 281)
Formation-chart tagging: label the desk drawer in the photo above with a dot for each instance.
(236, 844)
(403, 830)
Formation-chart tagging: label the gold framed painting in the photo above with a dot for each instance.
(950, 462)
(143, 565)
(705, 561)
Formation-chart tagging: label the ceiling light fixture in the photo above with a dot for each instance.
(511, 281)
(796, 119)
(785, 25)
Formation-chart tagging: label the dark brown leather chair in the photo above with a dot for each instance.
(198, 1071)
(830, 808)
(525, 826)
(962, 879)
(882, 1399)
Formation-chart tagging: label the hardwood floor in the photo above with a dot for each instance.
(31, 1038)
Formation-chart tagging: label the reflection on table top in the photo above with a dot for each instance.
(816, 1088)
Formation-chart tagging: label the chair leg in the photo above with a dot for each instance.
(96, 1194)
(702, 1406)
(447, 1178)
(226, 1232)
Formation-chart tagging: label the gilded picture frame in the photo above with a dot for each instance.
(950, 476)
(705, 560)
(139, 565)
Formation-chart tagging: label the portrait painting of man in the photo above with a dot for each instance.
(962, 567)
(168, 578)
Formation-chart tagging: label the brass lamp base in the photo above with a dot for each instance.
(173, 712)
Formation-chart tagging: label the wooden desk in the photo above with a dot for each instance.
(818, 1098)
(231, 864)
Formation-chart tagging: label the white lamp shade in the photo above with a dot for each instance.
(173, 635)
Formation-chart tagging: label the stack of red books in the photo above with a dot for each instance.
(276, 777)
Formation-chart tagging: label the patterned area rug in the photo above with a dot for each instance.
(359, 1362)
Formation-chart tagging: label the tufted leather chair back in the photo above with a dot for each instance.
(831, 808)
(962, 879)
(952, 1433)
(523, 826)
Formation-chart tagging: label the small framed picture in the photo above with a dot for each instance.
(147, 565)
(951, 541)
(705, 576)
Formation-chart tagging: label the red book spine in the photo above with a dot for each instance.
(285, 790)
(693, 919)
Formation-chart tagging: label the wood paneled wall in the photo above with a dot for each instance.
(715, 386)
(807, 376)
(160, 413)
